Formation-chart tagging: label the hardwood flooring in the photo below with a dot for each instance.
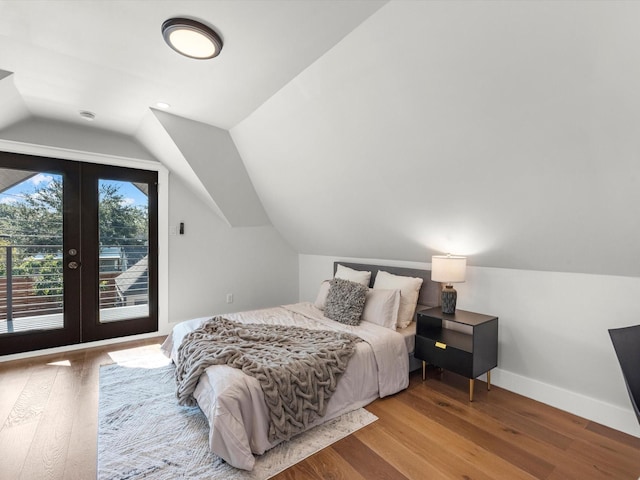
(48, 429)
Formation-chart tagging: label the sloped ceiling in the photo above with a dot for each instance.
(13, 106)
(506, 131)
(108, 57)
(213, 158)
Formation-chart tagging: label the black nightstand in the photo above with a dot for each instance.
(466, 343)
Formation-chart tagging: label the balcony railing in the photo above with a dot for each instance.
(30, 283)
(31, 280)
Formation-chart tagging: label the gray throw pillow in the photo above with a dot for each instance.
(345, 301)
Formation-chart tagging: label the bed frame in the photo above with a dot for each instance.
(430, 291)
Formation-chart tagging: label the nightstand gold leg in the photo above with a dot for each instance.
(471, 382)
(489, 380)
(424, 370)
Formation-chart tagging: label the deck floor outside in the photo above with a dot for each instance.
(56, 320)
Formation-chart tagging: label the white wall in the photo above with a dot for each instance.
(553, 340)
(212, 259)
(72, 137)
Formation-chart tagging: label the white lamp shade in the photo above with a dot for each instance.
(448, 268)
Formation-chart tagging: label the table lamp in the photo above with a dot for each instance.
(448, 269)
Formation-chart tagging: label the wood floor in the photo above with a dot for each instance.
(48, 428)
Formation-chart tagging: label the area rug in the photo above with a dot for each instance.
(144, 434)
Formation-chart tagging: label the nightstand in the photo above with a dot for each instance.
(464, 342)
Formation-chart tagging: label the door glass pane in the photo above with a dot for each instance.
(31, 288)
(123, 223)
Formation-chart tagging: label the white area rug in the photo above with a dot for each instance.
(144, 433)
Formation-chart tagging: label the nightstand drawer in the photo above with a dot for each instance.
(449, 358)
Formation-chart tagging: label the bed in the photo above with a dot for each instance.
(428, 296)
(234, 402)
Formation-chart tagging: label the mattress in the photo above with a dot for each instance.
(409, 334)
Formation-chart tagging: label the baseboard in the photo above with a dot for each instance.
(586, 407)
(78, 346)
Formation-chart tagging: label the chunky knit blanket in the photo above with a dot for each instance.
(298, 369)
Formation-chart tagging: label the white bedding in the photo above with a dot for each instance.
(409, 334)
(233, 401)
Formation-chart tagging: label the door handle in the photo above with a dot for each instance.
(73, 265)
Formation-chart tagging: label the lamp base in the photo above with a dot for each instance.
(449, 297)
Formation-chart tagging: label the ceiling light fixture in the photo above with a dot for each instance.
(191, 38)
(163, 105)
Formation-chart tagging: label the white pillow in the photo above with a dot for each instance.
(321, 299)
(381, 307)
(409, 290)
(352, 275)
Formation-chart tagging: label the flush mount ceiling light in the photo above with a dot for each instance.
(191, 38)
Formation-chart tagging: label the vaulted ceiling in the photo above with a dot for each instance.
(507, 131)
(109, 57)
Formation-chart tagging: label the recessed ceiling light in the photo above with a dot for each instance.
(87, 115)
(162, 105)
(191, 38)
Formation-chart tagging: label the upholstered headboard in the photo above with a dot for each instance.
(429, 292)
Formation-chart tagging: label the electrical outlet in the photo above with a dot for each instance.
(229, 297)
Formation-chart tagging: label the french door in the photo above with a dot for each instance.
(78, 252)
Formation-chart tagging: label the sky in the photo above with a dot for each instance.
(132, 196)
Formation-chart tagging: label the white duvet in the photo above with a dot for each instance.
(233, 401)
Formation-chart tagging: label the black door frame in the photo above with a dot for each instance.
(81, 298)
(92, 328)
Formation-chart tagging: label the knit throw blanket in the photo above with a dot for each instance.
(298, 369)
